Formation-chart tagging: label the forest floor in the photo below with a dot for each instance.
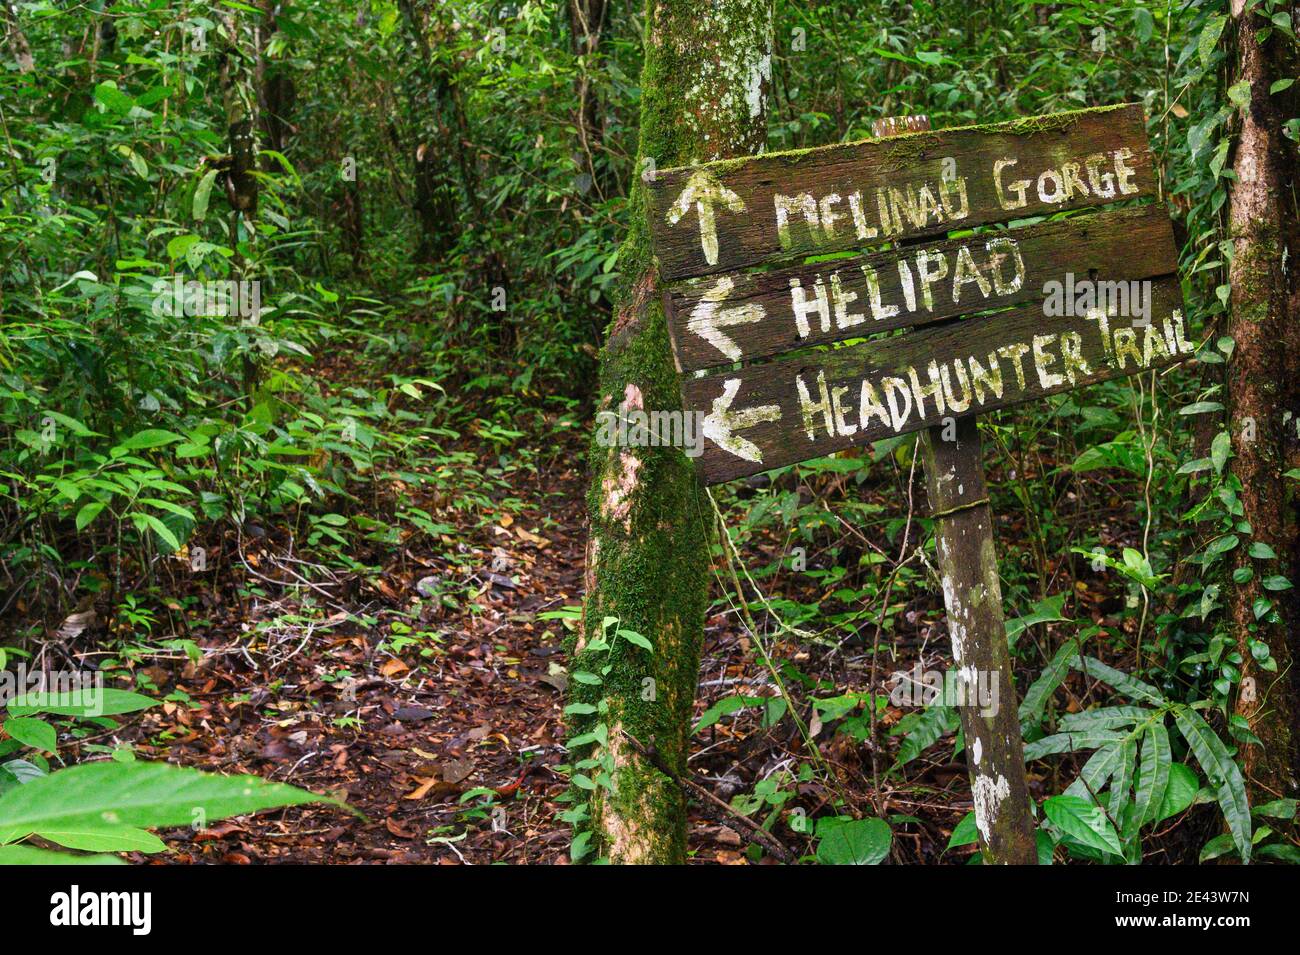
(440, 720)
(447, 754)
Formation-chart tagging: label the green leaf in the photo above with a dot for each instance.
(1144, 23)
(1261, 551)
(105, 839)
(30, 855)
(1082, 821)
(1130, 686)
(88, 513)
(1239, 92)
(725, 707)
(1153, 774)
(1182, 789)
(180, 245)
(1281, 851)
(1276, 582)
(112, 98)
(1100, 767)
(1279, 86)
(1220, 450)
(923, 730)
(965, 833)
(37, 734)
(1277, 809)
(1044, 611)
(631, 636)
(201, 194)
(159, 528)
(1071, 743)
(92, 701)
(1209, 38)
(136, 160)
(1223, 774)
(1036, 697)
(170, 507)
(579, 847)
(149, 438)
(856, 842)
(1107, 717)
(1219, 845)
(111, 794)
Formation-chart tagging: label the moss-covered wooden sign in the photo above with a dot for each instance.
(769, 260)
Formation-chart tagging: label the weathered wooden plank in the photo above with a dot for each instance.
(719, 319)
(732, 214)
(808, 406)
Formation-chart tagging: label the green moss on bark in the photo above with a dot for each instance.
(703, 87)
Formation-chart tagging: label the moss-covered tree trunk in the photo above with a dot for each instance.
(1257, 396)
(239, 100)
(704, 87)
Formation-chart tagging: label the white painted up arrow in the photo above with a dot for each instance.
(721, 422)
(708, 319)
(704, 191)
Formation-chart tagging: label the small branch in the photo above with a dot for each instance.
(759, 834)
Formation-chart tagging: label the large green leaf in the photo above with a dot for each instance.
(30, 855)
(1109, 717)
(1224, 776)
(925, 730)
(37, 734)
(109, 795)
(1130, 686)
(1036, 697)
(1071, 742)
(88, 702)
(1084, 821)
(856, 842)
(201, 193)
(1044, 611)
(1153, 775)
(1182, 789)
(103, 839)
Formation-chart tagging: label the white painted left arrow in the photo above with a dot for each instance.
(703, 190)
(721, 423)
(708, 319)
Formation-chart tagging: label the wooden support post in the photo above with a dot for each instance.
(972, 594)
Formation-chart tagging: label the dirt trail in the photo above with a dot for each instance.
(296, 698)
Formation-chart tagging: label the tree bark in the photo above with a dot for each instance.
(704, 87)
(239, 99)
(16, 39)
(1257, 392)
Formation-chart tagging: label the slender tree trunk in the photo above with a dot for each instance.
(275, 88)
(1257, 394)
(16, 39)
(1284, 58)
(441, 132)
(704, 87)
(239, 99)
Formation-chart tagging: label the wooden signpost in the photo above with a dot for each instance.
(787, 277)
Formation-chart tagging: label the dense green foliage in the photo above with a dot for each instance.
(436, 241)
